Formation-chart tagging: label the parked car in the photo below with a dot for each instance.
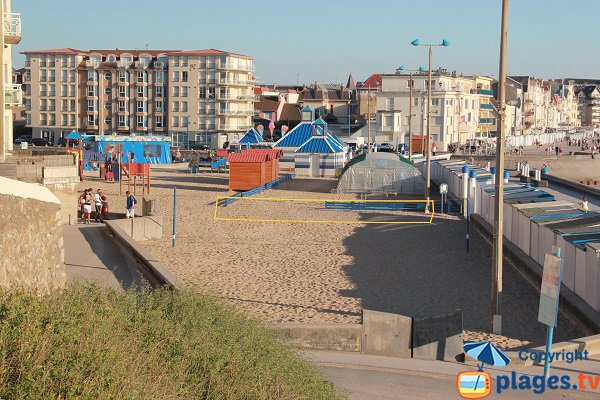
(40, 142)
(385, 148)
(22, 139)
(62, 142)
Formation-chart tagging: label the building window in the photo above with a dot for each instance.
(92, 76)
(180, 139)
(122, 91)
(142, 121)
(184, 106)
(91, 91)
(64, 90)
(107, 105)
(184, 91)
(435, 102)
(159, 77)
(159, 107)
(141, 76)
(91, 105)
(175, 91)
(175, 106)
(211, 93)
(184, 61)
(107, 91)
(184, 76)
(123, 76)
(185, 121)
(123, 106)
(176, 121)
(107, 120)
(64, 119)
(107, 76)
(141, 91)
(202, 93)
(175, 76)
(140, 106)
(159, 121)
(123, 121)
(92, 120)
(160, 91)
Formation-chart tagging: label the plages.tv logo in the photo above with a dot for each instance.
(478, 384)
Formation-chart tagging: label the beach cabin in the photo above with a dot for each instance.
(295, 138)
(273, 169)
(251, 137)
(322, 154)
(251, 168)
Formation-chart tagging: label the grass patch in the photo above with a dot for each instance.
(93, 343)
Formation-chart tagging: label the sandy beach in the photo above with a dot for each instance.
(327, 272)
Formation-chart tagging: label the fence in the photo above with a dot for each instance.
(257, 190)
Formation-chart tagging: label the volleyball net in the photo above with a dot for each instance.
(325, 211)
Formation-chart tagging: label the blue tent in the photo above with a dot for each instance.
(74, 136)
(252, 136)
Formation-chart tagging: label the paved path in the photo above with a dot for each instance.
(366, 377)
(92, 255)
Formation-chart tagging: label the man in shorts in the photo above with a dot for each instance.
(87, 206)
(98, 205)
(130, 205)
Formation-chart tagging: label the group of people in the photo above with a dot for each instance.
(100, 201)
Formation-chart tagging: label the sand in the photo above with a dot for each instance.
(314, 272)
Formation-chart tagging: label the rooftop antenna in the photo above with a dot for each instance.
(298, 79)
(147, 46)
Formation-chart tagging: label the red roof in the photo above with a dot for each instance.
(66, 50)
(206, 52)
(253, 156)
(273, 153)
(135, 53)
(374, 81)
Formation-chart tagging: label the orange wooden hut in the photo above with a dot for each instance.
(252, 168)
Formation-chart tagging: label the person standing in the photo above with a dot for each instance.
(130, 205)
(104, 210)
(98, 205)
(87, 206)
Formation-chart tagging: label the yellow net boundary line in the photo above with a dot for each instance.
(430, 202)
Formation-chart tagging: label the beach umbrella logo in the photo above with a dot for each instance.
(478, 384)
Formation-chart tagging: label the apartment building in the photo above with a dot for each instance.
(540, 108)
(588, 97)
(11, 95)
(455, 110)
(195, 97)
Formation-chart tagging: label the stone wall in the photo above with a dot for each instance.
(31, 249)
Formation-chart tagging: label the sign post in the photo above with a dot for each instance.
(443, 192)
(549, 297)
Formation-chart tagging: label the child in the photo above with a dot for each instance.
(104, 211)
(584, 205)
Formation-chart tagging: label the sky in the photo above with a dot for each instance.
(326, 40)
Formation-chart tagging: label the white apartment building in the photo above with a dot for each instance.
(11, 93)
(195, 97)
(456, 110)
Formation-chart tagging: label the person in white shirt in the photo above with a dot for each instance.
(98, 204)
(584, 205)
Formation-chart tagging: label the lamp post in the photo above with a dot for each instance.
(499, 190)
(410, 113)
(416, 43)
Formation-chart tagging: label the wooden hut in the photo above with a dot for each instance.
(252, 168)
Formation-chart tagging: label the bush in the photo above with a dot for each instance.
(92, 343)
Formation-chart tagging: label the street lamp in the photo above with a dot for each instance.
(445, 43)
(410, 114)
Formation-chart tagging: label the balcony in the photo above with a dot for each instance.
(486, 106)
(235, 82)
(230, 112)
(159, 65)
(13, 95)
(236, 67)
(228, 127)
(485, 92)
(92, 64)
(141, 65)
(12, 28)
(487, 121)
(123, 128)
(233, 97)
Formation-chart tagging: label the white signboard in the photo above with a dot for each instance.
(550, 290)
(443, 188)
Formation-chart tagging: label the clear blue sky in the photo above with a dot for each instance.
(325, 40)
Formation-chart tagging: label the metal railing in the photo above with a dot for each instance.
(13, 95)
(12, 24)
(236, 67)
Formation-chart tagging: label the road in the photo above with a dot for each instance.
(92, 255)
(365, 377)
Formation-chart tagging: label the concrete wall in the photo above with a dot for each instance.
(142, 228)
(32, 241)
(386, 334)
(341, 337)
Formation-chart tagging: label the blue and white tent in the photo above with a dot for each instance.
(322, 154)
(252, 136)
